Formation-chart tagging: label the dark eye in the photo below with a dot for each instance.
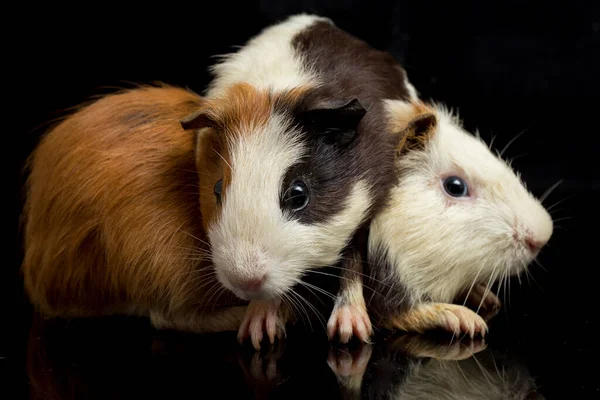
(456, 187)
(218, 188)
(296, 196)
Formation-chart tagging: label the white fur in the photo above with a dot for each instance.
(412, 91)
(254, 236)
(440, 245)
(267, 61)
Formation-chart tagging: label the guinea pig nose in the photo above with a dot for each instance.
(254, 284)
(534, 245)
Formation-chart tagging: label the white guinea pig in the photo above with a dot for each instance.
(458, 220)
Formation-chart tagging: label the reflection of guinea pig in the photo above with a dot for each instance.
(419, 368)
(458, 218)
(112, 223)
(294, 156)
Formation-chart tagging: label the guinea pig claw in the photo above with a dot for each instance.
(349, 320)
(450, 317)
(261, 318)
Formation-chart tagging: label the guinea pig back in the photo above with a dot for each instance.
(112, 220)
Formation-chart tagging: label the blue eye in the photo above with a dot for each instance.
(456, 187)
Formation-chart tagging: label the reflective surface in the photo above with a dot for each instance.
(116, 358)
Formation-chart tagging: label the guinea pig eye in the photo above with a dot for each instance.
(218, 188)
(296, 196)
(456, 187)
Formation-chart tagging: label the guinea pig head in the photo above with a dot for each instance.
(459, 215)
(275, 197)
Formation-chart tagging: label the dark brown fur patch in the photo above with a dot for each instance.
(385, 294)
(349, 68)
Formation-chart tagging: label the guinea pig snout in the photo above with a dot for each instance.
(534, 239)
(533, 244)
(249, 284)
(245, 272)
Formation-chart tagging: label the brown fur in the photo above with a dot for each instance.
(112, 222)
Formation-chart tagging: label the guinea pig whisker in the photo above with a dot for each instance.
(224, 160)
(561, 219)
(351, 259)
(311, 291)
(198, 258)
(317, 313)
(360, 273)
(511, 141)
(201, 279)
(290, 301)
(192, 249)
(559, 202)
(538, 263)
(198, 239)
(545, 195)
(517, 157)
(487, 290)
(214, 289)
(473, 284)
(318, 289)
(341, 277)
(311, 307)
(220, 293)
(534, 280)
(304, 310)
(204, 270)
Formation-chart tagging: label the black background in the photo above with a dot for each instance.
(507, 67)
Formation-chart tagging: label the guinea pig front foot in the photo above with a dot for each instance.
(449, 317)
(262, 317)
(350, 320)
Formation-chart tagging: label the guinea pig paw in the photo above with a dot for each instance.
(470, 323)
(261, 318)
(450, 317)
(349, 320)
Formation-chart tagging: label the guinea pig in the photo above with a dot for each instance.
(112, 223)
(296, 157)
(458, 220)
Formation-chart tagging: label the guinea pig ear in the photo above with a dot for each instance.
(197, 120)
(417, 133)
(336, 120)
(414, 123)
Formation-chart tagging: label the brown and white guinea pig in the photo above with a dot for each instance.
(296, 156)
(111, 220)
(458, 220)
